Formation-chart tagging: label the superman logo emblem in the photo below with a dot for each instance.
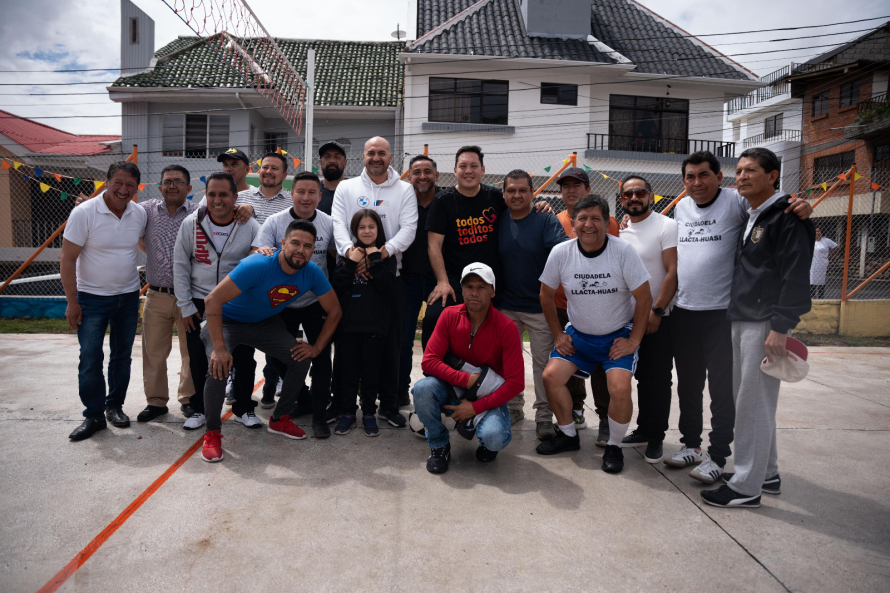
(282, 294)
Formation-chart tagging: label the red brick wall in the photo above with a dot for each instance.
(819, 130)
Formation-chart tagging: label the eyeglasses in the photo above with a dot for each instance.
(637, 193)
(172, 182)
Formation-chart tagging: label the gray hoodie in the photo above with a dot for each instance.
(197, 267)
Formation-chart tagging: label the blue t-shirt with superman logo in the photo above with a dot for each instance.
(266, 289)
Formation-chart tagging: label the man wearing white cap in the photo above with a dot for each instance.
(479, 334)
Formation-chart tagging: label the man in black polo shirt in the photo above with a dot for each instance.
(420, 280)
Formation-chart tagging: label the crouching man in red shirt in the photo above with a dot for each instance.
(477, 333)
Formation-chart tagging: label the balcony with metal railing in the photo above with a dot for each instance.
(777, 85)
(771, 137)
(872, 121)
(658, 144)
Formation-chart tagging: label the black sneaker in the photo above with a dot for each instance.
(403, 398)
(320, 430)
(187, 410)
(437, 462)
(347, 421)
(558, 444)
(331, 415)
(726, 497)
(613, 459)
(150, 413)
(369, 422)
(770, 485)
(484, 455)
(654, 452)
(635, 439)
(393, 417)
(268, 401)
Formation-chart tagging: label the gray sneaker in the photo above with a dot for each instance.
(516, 416)
(545, 430)
(602, 437)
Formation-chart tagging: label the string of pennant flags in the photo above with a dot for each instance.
(6, 164)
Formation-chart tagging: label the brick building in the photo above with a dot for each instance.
(844, 116)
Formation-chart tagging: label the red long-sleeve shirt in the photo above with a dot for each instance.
(496, 344)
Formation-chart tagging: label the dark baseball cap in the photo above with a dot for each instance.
(328, 145)
(233, 153)
(574, 173)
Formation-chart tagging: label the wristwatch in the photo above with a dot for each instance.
(658, 311)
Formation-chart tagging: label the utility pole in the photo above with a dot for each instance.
(310, 107)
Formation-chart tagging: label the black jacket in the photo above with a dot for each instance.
(366, 304)
(771, 281)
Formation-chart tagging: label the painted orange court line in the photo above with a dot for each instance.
(91, 548)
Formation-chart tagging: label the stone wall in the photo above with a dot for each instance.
(823, 318)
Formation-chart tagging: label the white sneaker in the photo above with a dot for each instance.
(230, 398)
(249, 420)
(196, 420)
(684, 457)
(707, 472)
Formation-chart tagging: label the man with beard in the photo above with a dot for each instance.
(332, 162)
(655, 238)
(244, 308)
(380, 189)
(306, 310)
(416, 269)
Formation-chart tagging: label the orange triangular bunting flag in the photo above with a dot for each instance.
(874, 186)
(141, 186)
(296, 162)
(58, 177)
(842, 176)
(6, 165)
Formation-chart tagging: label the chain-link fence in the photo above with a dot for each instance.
(36, 197)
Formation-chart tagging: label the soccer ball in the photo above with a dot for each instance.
(416, 425)
(418, 429)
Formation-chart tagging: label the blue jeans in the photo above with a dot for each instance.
(121, 312)
(417, 289)
(430, 394)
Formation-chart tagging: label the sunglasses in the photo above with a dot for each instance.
(634, 193)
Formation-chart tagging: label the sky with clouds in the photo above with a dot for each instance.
(42, 35)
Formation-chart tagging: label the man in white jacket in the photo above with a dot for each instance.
(379, 188)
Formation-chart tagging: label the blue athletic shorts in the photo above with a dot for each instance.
(593, 350)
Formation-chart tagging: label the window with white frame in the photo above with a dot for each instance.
(194, 135)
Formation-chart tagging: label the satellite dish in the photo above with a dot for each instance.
(398, 33)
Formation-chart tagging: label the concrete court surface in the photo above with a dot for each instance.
(360, 514)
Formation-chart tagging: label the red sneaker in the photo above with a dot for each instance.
(285, 427)
(212, 450)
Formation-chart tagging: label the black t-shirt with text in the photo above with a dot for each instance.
(470, 227)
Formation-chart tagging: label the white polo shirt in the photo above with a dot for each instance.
(107, 263)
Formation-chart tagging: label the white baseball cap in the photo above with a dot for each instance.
(479, 269)
(791, 368)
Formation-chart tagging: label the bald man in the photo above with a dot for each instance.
(379, 188)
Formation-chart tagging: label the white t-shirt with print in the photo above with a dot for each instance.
(598, 288)
(219, 234)
(707, 243)
(650, 237)
(272, 233)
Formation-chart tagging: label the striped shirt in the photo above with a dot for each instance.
(160, 237)
(264, 207)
